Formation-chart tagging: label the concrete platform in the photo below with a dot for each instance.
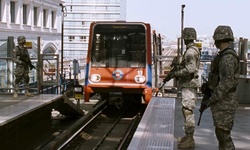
(204, 136)
(25, 119)
(156, 129)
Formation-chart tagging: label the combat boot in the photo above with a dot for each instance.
(181, 139)
(187, 143)
(27, 93)
(15, 94)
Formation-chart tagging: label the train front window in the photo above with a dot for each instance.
(118, 46)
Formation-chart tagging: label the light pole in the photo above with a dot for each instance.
(62, 34)
(182, 20)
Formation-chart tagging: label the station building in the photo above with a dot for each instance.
(31, 18)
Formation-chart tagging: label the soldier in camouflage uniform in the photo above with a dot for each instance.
(223, 81)
(21, 57)
(188, 79)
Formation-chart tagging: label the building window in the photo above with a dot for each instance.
(71, 38)
(44, 18)
(35, 16)
(83, 38)
(25, 14)
(12, 12)
(53, 18)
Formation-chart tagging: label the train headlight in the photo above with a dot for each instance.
(95, 78)
(140, 79)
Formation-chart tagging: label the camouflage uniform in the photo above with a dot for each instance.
(188, 79)
(224, 100)
(20, 53)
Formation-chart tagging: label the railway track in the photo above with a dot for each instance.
(111, 128)
(104, 127)
(63, 128)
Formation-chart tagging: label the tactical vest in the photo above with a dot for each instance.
(195, 74)
(22, 53)
(176, 63)
(213, 78)
(196, 49)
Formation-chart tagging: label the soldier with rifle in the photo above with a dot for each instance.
(187, 74)
(222, 84)
(23, 64)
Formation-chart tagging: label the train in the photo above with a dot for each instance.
(119, 62)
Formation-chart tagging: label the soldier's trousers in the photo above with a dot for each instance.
(189, 97)
(224, 138)
(18, 80)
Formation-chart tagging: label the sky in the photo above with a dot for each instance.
(203, 15)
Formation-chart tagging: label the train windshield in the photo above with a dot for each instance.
(118, 46)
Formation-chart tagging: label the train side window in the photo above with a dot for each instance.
(99, 51)
(137, 50)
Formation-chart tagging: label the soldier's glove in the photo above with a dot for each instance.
(169, 77)
(205, 104)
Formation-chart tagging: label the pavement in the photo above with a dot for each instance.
(204, 135)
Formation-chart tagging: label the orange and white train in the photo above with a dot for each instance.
(119, 62)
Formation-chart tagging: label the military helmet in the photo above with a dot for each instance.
(189, 34)
(21, 39)
(223, 33)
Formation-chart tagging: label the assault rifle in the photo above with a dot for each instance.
(175, 65)
(199, 121)
(28, 62)
(206, 91)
